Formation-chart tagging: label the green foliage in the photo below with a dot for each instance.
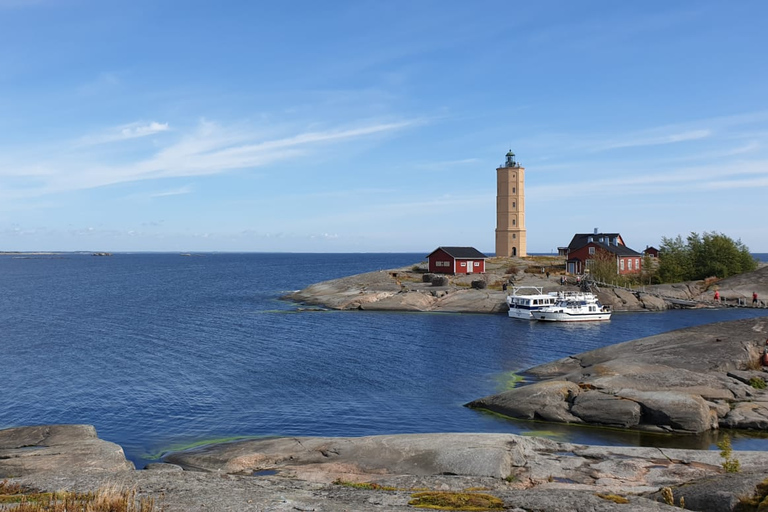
(730, 464)
(757, 383)
(650, 271)
(702, 256)
(602, 266)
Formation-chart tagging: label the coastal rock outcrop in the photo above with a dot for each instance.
(691, 380)
(58, 448)
(384, 473)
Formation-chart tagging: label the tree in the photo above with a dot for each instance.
(674, 260)
(699, 257)
(602, 266)
(650, 270)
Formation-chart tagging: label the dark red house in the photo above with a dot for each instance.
(456, 260)
(584, 248)
(651, 251)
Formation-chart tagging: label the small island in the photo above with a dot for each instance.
(414, 289)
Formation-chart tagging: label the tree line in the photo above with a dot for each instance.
(702, 256)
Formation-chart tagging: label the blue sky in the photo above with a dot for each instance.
(360, 126)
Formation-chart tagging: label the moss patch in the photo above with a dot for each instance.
(755, 503)
(507, 380)
(364, 485)
(613, 497)
(180, 447)
(456, 501)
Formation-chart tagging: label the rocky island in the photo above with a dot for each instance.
(413, 289)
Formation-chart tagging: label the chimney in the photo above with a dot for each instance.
(595, 230)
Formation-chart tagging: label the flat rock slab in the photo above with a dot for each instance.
(525, 473)
(498, 460)
(58, 448)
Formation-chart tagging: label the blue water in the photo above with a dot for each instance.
(162, 350)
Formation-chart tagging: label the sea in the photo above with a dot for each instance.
(162, 352)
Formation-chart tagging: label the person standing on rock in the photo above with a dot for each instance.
(717, 295)
(754, 299)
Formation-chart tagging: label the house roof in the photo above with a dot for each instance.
(460, 252)
(583, 239)
(579, 240)
(620, 250)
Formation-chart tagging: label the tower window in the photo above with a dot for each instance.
(513, 190)
(513, 204)
(514, 235)
(514, 222)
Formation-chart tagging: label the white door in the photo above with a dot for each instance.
(470, 266)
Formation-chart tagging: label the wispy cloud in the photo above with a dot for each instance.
(447, 163)
(207, 149)
(125, 132)
(736, 175)
(174, 192)
(653, 140)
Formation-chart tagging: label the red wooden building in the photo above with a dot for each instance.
(456, 260)
(651, 251)
(584, 248)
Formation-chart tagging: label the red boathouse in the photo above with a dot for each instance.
(456, 260)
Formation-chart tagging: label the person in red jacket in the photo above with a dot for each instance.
(754, 299)
(717, 295)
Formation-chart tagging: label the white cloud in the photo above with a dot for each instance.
(664, 181)
(125, 132)
(208, 149)
(648, 139)
(173, 192)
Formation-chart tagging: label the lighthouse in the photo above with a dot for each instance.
(510, 208)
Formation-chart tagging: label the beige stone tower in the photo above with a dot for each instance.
(510, 208)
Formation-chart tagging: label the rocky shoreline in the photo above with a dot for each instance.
(383, 473)
(689, 380)
(686, 381)
(407, 289)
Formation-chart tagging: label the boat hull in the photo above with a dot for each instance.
(522, 314)
(549, 316)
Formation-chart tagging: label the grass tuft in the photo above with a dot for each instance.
(730, 464)
(111, 499)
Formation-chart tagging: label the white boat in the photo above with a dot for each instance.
(575, 307)
(526, 300)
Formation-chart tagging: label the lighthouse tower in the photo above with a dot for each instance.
(510, 208)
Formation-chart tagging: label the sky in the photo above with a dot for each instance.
(362, 126)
